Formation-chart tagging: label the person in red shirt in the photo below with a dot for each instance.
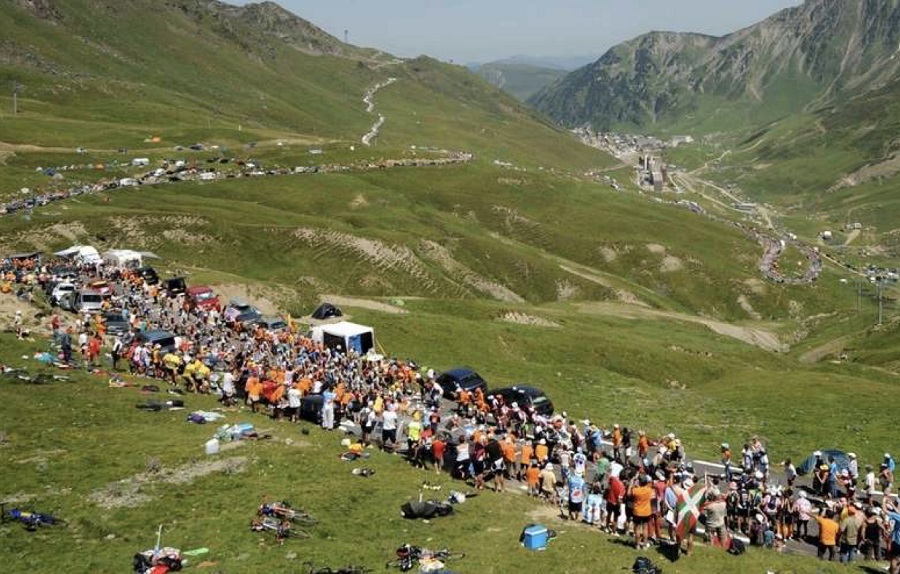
(615, 495)
(94, 349)
(437, 452)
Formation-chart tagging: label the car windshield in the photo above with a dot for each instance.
(204, 295)
(536, 401)
(65, 288)
(91, 298)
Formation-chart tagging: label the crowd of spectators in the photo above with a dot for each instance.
(619, 480)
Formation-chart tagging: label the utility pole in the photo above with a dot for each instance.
(346, 36)
(17, 87)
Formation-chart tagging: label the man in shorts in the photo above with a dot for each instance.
(576, 488)
(641, 493)
(615, 495)
(893, 553)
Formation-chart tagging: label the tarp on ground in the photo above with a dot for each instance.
(840, 457)
(425, 509)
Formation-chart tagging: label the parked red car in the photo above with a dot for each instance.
(203, 297)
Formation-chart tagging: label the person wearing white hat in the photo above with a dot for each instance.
(802, 509)
(547, 480)
(853, 467)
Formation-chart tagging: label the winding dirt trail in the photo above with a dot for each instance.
(369, 100)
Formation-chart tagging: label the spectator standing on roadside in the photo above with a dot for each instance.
(117, 349)
(853, 468)
(790, 472)
(828, 534)
(576, 490)
(548, 483)
(893, 553)
(641, 493)
(851, 526)
(66, 346)
(802, 510)
(716, 511)
(388, 427)
(726, 460)
(615, 496)
(870, 483)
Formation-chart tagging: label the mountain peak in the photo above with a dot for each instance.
(815, 52)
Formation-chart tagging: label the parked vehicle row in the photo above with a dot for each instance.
(524, 396)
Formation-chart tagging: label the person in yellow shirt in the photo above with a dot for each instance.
(201, 377)
(828, 534)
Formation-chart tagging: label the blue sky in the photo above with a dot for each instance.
(484, 30)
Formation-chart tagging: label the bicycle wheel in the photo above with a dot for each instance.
(447, 554)
(297, 533)
(304, 519)
(403, 564)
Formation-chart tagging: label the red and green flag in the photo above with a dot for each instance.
(687, 509)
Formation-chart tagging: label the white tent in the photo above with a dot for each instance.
(348, 335)
(123, 258)
(81, 253)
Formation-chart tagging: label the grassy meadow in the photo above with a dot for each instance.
(67, 443)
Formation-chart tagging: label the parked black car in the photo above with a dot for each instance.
(164, 339)
(460, 378)
(148, 274)
(242, 312)
(524, 396)
(174, 286)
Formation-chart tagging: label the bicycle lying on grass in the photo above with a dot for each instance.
(281, 527)
(311, 569)
(23, 376)
(283, 510)
(30, 520)
(409, 556)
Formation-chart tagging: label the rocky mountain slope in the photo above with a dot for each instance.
(821, 51)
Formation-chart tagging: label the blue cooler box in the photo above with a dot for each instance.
(535, 537)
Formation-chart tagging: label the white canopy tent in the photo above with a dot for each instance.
(123, 258)
(81, 254)
(359, 338)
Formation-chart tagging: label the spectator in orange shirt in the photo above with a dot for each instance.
(541, 452)
(253, 388)
(524, 460)
(532, 475)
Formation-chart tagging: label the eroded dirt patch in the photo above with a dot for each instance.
(130, 492)
(526, 319)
